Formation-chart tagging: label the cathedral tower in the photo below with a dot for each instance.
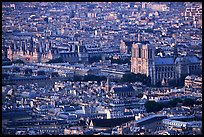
(142, 59)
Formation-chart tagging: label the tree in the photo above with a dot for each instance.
(152, 106)
(77, 78)
(16, 69)
(188, 102)
(131, 77)
(41, 72)
(56, 60)
(28, 72)
(55, 74)
(140, 95)
(119, 61)
(94, 78)
(198, 102)
(95, 59)
(173, 103)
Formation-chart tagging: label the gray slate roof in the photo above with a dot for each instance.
(170, 60)
(123, 89)
(193, 59)
(164, 60)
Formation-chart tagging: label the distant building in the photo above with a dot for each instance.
(144, 61)
(126, 46)
(193, 81)
(78, 54)
(194, 13)
(151, 123)
(71, 57)
(182, 123)
(28, 51)
(74, 131)
(104, 124)
(123, 91)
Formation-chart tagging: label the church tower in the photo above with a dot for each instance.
(142, 59)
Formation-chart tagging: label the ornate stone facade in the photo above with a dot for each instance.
(144, 61)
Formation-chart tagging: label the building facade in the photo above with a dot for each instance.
(144, 61)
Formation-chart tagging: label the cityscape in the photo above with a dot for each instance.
(102, 68)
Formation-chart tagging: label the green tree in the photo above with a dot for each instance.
(18, 61)
(28, 72)
(95, 59)
(41, 72)
(188, 102)
(131, 77)
(77, 78)
(140, 95)
(94, 78)
(56, 60)
(152, 106)
(174, 102)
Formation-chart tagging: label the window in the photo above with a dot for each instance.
(140, 53)
(143, 53)
(134, 52)
(150, 53)
(139, 68)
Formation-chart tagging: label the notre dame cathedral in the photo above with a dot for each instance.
(161, 69)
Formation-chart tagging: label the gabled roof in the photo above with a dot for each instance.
(193, 59)
(170, 60)
(164, 60)
(187, 59)
(123, 89)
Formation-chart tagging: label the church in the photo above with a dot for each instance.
(162, 69)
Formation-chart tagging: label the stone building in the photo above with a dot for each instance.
(29, 51)
(78, 53)
(143, 60)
